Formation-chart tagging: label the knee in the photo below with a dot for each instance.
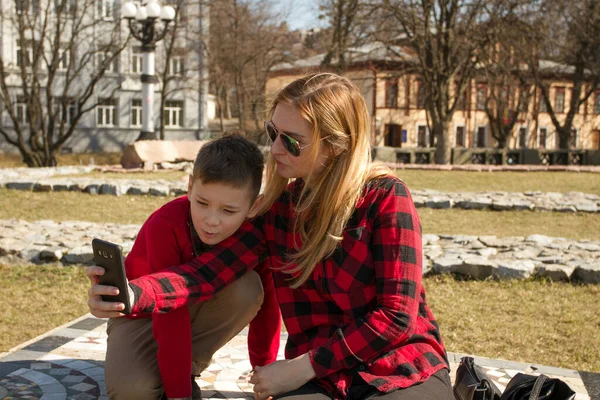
(247, 293)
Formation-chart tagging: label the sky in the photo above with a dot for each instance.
(301, 14)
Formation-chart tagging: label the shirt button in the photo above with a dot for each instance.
(362, 367)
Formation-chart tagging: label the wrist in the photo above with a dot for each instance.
(307, 370)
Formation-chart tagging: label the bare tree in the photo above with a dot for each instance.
(446, 39)
(245, 44)
(348, 28)
(567, 53)
(65, 54)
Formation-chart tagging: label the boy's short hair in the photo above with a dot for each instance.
(230, 159)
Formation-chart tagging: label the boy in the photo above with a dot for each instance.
(223, 191)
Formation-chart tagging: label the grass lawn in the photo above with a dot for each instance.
(63, 206)
(472, 181)
(15, 160)
(530, 321)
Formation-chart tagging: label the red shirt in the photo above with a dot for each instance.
(167, 239)
(362, 311)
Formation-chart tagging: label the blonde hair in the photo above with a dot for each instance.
(336, 110)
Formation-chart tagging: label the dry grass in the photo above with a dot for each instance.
(510, 223)
(68, 206)
(529, 321)
(71, 206)
(38, 298)
(471, 181)
(15, 160)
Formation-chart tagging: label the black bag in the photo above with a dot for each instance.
(529, 387)
(472, 383)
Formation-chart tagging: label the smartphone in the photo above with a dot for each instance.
(110, 257)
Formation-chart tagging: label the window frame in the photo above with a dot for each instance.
(170, 110)
(135, 111)
(464, 135)
(104, 108)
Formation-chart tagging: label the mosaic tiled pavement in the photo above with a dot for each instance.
(67, 363)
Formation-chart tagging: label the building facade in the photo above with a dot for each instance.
(114, 111)
(396, 104)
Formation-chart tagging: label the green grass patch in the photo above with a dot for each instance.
(38, 298)
(529, 321)
(472, 181)
(69, 206)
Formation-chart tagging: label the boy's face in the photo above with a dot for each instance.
(218, 209)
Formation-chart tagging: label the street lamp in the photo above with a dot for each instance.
(142, 25)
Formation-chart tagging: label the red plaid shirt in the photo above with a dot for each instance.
(362, 311)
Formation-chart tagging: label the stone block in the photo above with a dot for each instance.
(42, 187)
(477, 267)
(159, 191)
(146, 152)
(446, 265)
(587, 273)
(438, 202)
(20, 185)
(479, 203)
(51, 255)
(385, 154)
(79, 255)
(556, 272)
(511, 269)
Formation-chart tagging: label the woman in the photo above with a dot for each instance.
(344, 241)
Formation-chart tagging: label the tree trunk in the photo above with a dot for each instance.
(443, 150)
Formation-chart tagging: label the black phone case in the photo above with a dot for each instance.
(110, 257)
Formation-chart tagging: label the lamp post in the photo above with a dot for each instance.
(142, 25)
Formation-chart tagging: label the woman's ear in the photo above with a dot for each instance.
(256, 206)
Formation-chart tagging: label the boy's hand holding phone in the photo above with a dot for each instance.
(110, 295)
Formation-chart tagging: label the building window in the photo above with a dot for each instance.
(522, 137)
(67, 112)
(136, 62)
(422, 136)
(136, 112)
(106, 9)
(597, 103)
(23, 54)
(480, 136)
(391, 93)
(393, 135)
(26, 6)
(175, 66)
(106, 113)
(65, 7)
(560, 100)
(481, 97)
(542, 138)
(459, 136)
(173, 114)
(420, 95)
(463, 101)
(102, 61)
(64, 59)
(523, 99)
(21, 111)
(543, 108)
(574, 139)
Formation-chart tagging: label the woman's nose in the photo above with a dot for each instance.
(277, 147)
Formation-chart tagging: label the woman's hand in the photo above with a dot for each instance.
(98, 307)
(281, 377)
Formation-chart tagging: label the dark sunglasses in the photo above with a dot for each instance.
(291, 145)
